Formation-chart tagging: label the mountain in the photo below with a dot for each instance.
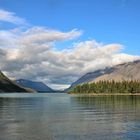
(6, 85)
(37, 86)
(123, 72)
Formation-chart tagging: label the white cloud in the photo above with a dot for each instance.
(7, 16)
(60, 68)
(41, 35)
(31, 54)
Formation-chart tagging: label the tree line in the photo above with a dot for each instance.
(107, 87)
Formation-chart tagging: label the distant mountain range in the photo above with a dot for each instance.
(126, 71)
(123, 72)
(22, 85)
(6, 85)
(37, 86)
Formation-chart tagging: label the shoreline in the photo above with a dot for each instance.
(104, 94)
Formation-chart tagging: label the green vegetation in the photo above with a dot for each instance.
(6, 85)
(108, 87)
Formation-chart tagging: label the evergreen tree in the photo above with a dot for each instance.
(108, 87)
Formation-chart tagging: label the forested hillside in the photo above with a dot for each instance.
(108, 87)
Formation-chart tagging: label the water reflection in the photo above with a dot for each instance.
(67, 117)
(110, 102)
(120, 115)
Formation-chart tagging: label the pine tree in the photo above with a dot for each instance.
(108, 87)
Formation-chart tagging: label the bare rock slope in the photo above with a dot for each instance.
(126, 71)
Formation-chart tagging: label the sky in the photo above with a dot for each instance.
(57, 41)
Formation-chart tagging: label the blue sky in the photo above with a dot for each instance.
(58, 41)
(107, 21)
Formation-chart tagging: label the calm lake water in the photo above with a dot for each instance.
(69, 117)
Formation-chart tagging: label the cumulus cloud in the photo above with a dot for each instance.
(41, 35)
(59, 68)
(32, 54)
(7, 16)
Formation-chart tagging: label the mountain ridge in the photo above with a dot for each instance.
(37, 86)
(121, 72)
(6, 85)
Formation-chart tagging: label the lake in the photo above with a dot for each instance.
(61, 116)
